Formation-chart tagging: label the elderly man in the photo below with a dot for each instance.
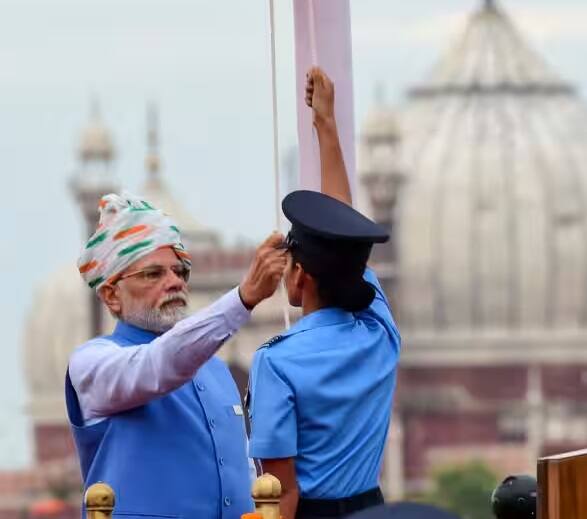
(153, 413)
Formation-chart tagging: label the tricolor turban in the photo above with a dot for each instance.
(129, 229)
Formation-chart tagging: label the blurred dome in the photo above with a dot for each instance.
(57, 323)
(492, 221)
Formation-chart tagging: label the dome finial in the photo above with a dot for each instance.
(152, 162)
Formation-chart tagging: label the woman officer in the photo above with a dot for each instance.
(321, 392)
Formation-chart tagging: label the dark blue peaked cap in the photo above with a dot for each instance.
(315, 215)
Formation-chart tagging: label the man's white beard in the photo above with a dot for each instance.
(159, 319)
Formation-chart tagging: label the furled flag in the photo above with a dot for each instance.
(323, 38)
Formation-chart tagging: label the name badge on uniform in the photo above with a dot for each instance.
(238, 410)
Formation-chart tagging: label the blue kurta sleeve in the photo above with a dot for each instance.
(272, 411)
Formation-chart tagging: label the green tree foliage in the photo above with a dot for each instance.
(465, 490)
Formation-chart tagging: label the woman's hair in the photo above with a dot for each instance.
(339, 283)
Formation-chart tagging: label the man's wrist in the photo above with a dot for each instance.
(246, 300)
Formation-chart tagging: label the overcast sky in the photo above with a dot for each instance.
(206, 65)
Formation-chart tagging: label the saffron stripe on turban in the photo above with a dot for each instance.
(129, 229)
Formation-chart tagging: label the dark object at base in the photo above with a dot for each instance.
(316, 508)
(515, 498)
(404, 511)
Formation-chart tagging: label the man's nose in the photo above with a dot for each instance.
(173, 281)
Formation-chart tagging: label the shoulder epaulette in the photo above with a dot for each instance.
(271, 342)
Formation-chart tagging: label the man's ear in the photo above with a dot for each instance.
(110, 296)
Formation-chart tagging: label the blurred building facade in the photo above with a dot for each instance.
(481, 178)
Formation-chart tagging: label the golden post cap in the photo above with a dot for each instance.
(99, 497)
(266, 488)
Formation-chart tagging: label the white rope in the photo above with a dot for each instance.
(276, 152)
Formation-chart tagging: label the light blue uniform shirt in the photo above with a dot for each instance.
(322, 392)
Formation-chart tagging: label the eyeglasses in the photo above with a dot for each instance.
(154, 274)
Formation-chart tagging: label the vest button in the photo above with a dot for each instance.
(221, 460)
(227, 501)
(200, 386)
(212, 423)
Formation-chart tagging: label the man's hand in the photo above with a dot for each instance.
(265, 271)
(320, 95)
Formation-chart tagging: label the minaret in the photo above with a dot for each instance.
(152, 160)
(92, 180)
(379, 169)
